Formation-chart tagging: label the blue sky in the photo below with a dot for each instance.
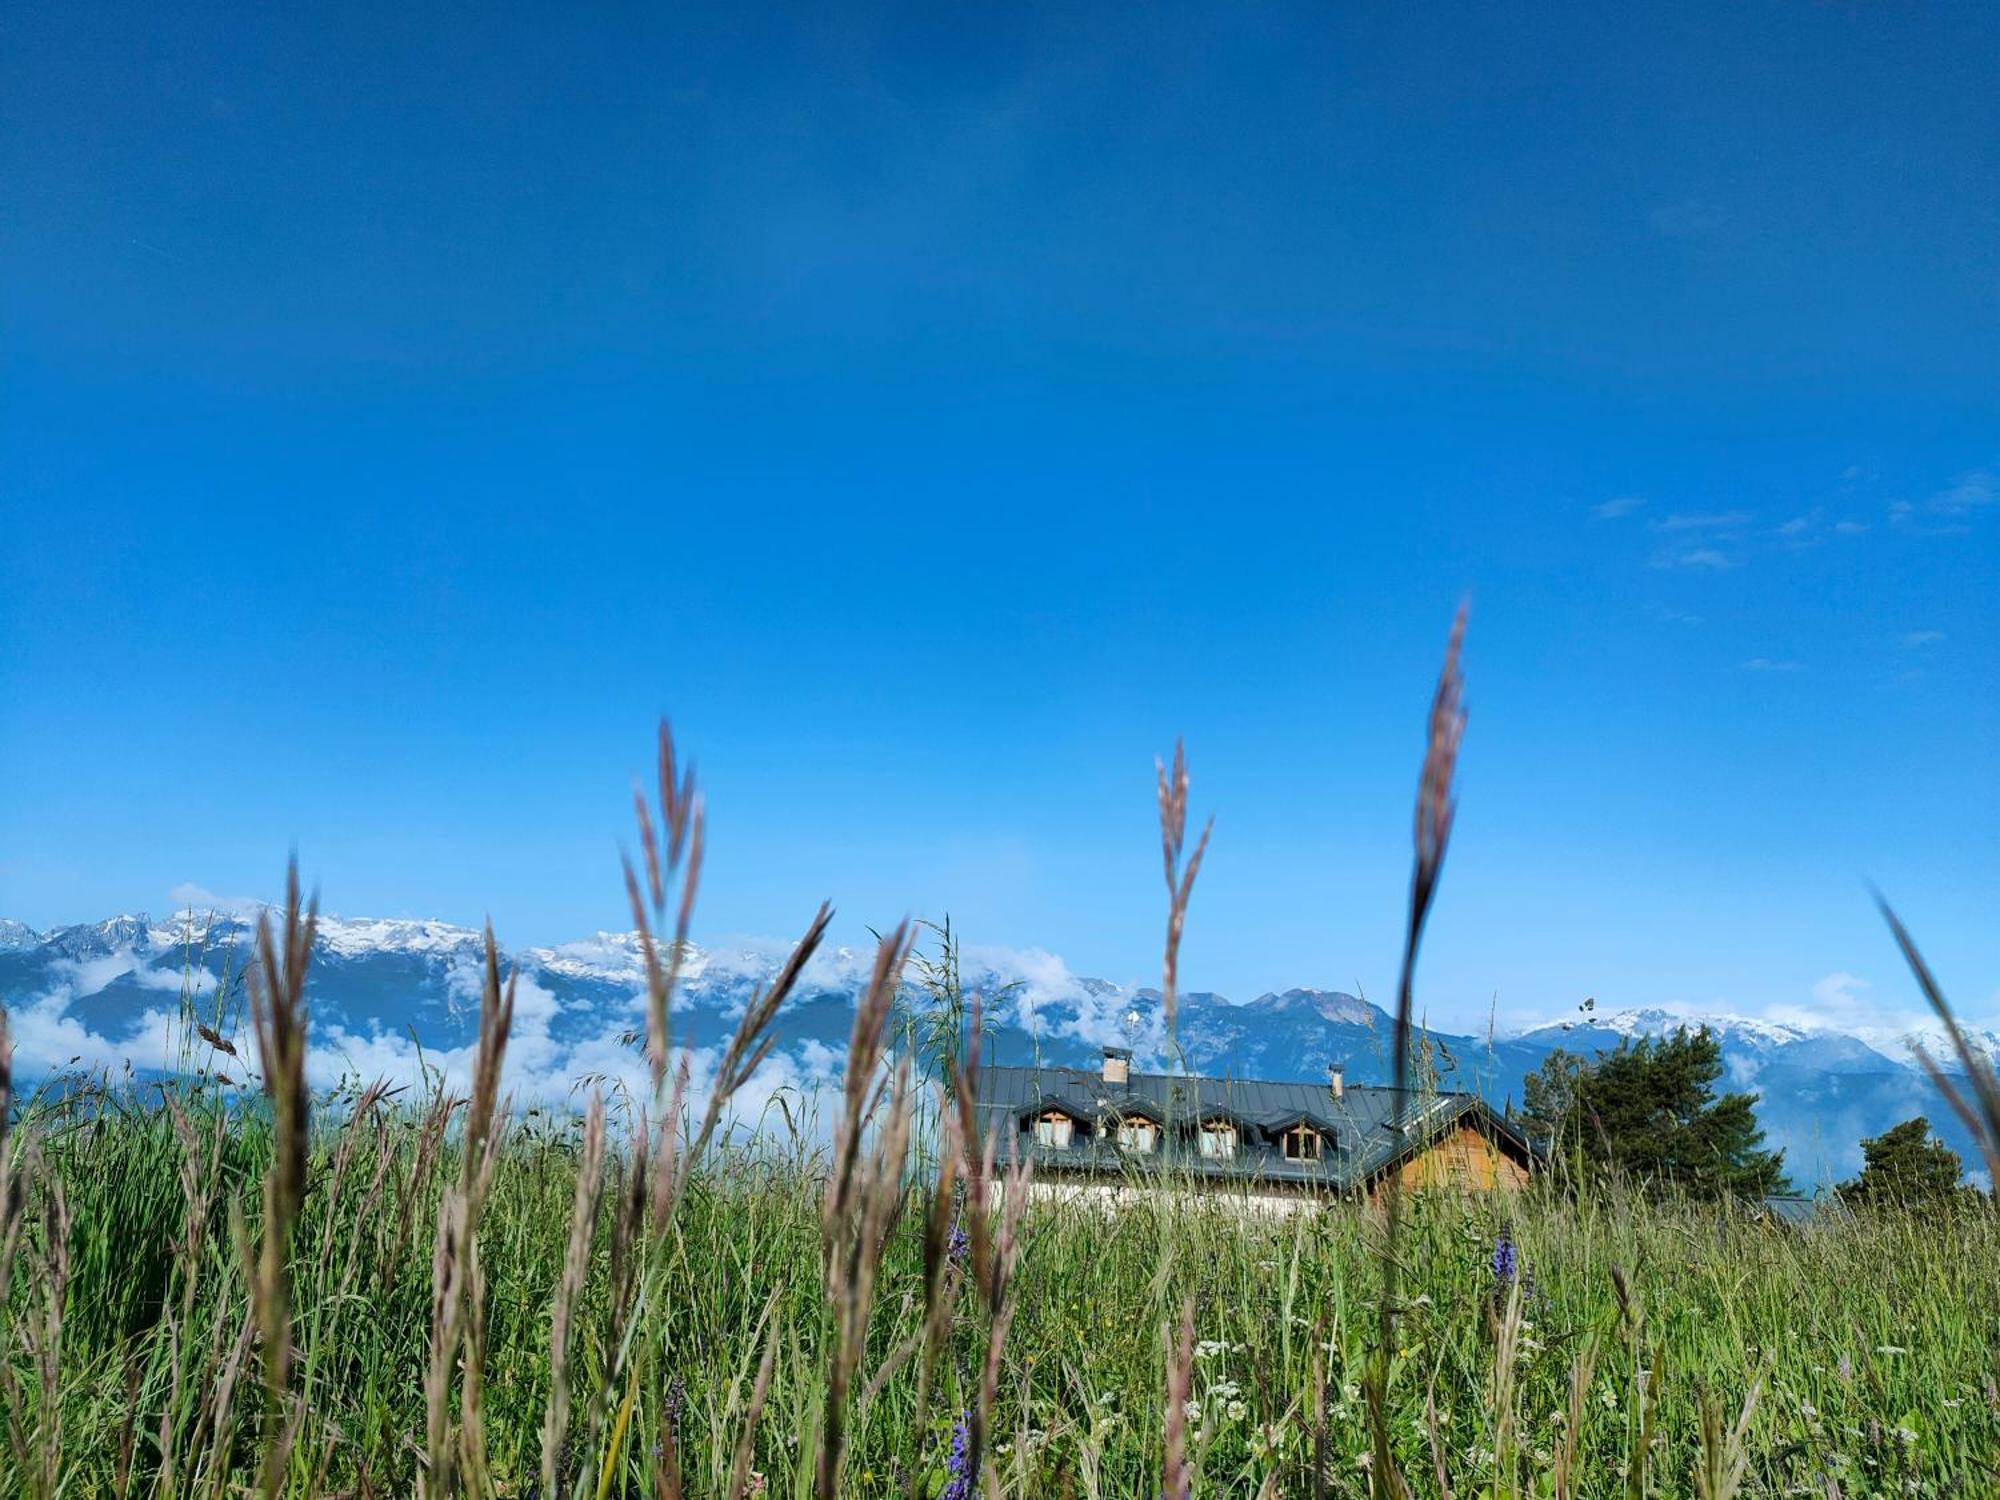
(938, 409)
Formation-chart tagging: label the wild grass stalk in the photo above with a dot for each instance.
(456, 1454)
(1173, 800)
(1436, 808)
(1980, 1113)
(569, 1289)
(278, 1012)
(864, 1194)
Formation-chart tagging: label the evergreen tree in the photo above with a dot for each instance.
(1548, 1098)
(1905, 1164)
(1650, 1110)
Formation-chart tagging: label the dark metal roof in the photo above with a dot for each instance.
(1052, 1102)
(1123, 1105)
(1368, 1129)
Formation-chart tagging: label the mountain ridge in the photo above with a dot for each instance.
(387, 991)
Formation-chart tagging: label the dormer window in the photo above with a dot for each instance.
(1302, 1143)
(1137, 1134)
(1053, 1129)
(1218, 1140)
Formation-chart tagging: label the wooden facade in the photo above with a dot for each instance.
(1465, 1158)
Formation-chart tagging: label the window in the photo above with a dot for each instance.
(1301, 1143)
(1218, 1140)
(1053, 1129)
(1136, 1133)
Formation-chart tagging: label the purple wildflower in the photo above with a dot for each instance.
(676, 1404)
(957, 1244)
(958, 1468)
(1506, 1260)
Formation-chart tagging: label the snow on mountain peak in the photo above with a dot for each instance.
(351, 937)
(614, 956)
(1902, 1042)
(1653, 1021)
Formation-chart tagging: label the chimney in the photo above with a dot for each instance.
(1118, 1065)
(1336, 1080)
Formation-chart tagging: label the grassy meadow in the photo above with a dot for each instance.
(1858, 1360)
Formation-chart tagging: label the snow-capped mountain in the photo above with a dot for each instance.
(1819, 1046)
(385, 993)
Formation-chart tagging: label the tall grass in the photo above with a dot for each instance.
(1874, 1342)
(211, 1287)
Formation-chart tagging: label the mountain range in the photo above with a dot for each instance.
(389, 995)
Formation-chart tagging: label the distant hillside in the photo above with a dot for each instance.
(385, 992)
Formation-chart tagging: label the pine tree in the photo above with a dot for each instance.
(1650, 1110)
(1905, 1164)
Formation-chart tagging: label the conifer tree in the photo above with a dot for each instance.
(1650, 1110)
(1905, 1164)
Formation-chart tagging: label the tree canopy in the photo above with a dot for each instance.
(1649, 1109)
(1904, 1164)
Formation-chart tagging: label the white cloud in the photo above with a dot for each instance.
(1974, 490)
(1839, 994)
(49, 1036)
(1949, 511)
(89, 976)
(82, 978)
(1743, 1069)
(1045, 981)
(1768, 664)
(188, 896)
(1619, 505)
(1922, 637)
(1845, 1002)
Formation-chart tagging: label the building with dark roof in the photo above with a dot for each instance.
(1111, 1126)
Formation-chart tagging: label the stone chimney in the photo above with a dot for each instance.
(1118, 1066)
(1336, 1080)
